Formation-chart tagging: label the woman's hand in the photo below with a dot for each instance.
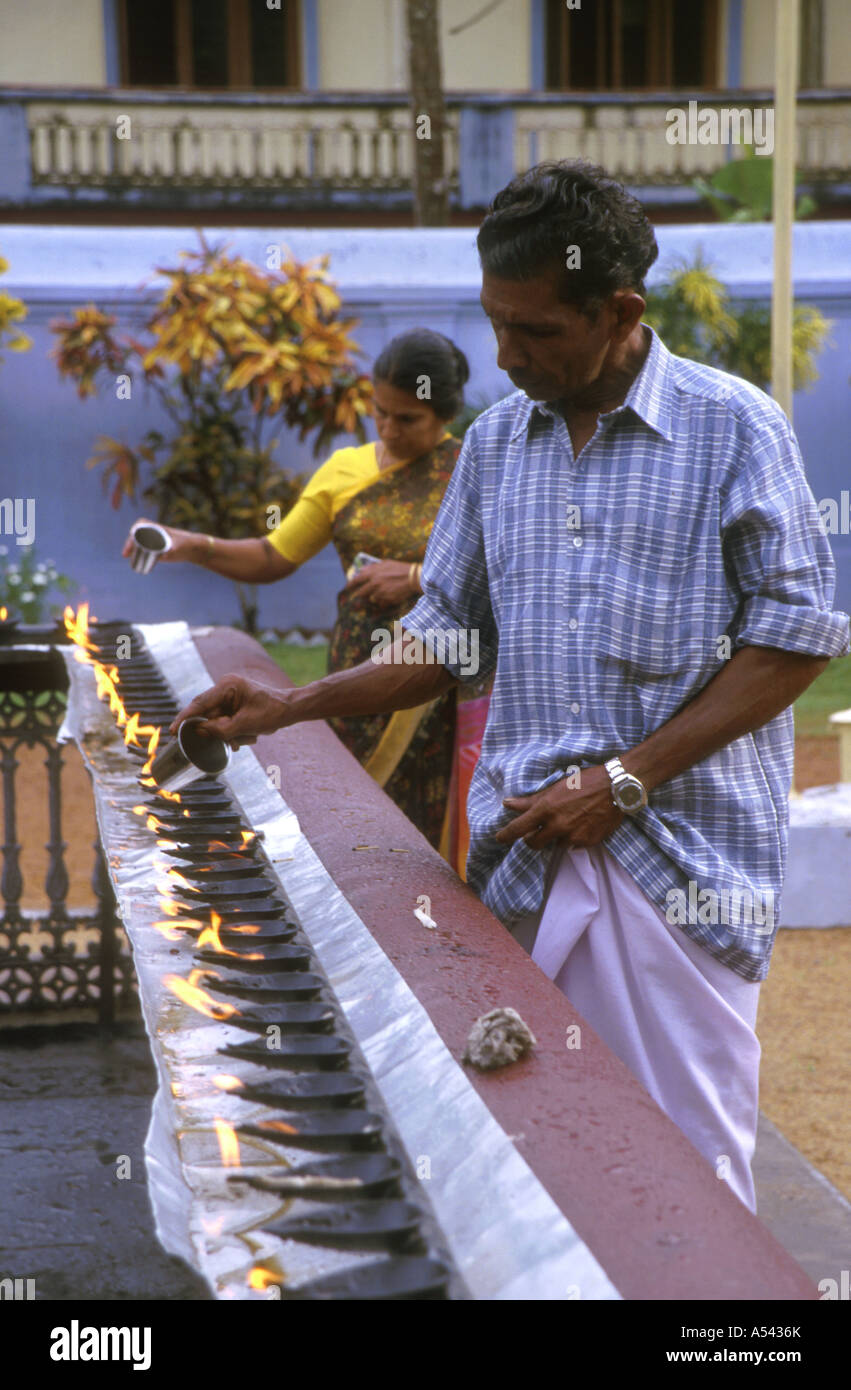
(386, 584)
(237, 710)
(185, 545)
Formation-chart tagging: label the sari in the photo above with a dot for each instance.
(413, 754)
(472, 706)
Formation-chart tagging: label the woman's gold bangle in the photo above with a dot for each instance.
(412, 575)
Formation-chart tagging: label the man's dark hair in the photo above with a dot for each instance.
(531, 223)
(422, 352)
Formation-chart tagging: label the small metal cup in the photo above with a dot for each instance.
(150, 542)
(188, 757)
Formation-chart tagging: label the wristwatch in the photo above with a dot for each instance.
(627, 792)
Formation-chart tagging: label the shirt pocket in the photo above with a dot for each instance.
(653, 624)
(655, 608)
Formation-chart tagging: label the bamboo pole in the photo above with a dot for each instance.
(783, 199)
(783, 207)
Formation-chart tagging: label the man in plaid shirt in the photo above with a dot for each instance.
(632, 539)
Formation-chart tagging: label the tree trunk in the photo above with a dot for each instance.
(428, 114)
(812, 44)
(247, 594)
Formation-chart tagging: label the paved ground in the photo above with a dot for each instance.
(72, 1102)
(803, 1211)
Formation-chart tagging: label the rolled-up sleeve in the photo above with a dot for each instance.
(778, 554)
(454, 618)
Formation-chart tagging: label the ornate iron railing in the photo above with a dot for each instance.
(56, 958)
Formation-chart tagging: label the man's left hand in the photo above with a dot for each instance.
(582, 815)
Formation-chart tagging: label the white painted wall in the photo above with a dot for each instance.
(758, 21)
(52, 41)
(360, 46)
(837, 43)
(493, 53)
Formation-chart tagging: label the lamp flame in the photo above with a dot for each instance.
(261, 1278)
(228, 1143)
(153, 744)
(220, 848)
(77, 626)
(228, 1083)
(210, 936)
(199, 999)
(106, 683)
(169, 931)
(183, 882)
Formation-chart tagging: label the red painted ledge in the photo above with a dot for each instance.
(648, 1206)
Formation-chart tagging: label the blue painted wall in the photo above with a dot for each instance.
(392, 280)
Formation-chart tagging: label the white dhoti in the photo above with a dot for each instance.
(681, 1021)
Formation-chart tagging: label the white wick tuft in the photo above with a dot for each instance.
(497, 1039)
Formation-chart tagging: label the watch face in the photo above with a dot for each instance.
(630, 796)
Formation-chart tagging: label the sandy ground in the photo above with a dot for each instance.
(803, 1022)
(816, 762)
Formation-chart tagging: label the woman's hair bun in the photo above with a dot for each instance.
(421, 352)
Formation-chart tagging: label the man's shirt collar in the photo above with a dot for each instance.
(649, 396)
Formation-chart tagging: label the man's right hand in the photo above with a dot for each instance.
(237, 709)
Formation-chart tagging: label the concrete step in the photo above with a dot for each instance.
(802, 1209)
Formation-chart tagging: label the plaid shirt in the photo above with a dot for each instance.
(602, 589)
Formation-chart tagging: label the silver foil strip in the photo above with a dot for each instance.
(506, 1234)
(199, 1214)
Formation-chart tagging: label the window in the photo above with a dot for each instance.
(612, 45)
(209, 43)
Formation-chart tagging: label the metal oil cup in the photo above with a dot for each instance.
(190, 756)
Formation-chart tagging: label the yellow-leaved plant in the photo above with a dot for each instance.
(692, 313)
(231, 352)
(12, 311)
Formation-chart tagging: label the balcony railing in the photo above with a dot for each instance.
(356, 149)
(53, 957)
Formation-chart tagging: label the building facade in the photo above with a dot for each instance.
(170, 106)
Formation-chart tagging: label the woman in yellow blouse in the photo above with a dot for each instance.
(381, 499)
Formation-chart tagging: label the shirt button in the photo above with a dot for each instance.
(577, 541)
(575, 707)
(573, 624)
